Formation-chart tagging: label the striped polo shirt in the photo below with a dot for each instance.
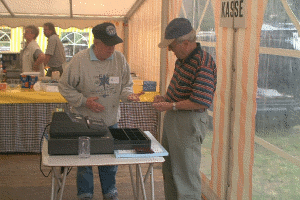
(194, 78)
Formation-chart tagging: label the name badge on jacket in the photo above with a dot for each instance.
(114, 80)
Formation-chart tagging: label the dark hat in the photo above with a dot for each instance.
(106, 32)
(176, 28)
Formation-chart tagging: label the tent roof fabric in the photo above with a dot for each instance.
(20, 13)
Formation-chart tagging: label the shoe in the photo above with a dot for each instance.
(110, 197)
(113, 198)
(85, 197)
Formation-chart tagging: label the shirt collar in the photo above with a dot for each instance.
(93, 56)
(195, 51)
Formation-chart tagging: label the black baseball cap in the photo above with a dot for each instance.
(176, 28)
(106, 32)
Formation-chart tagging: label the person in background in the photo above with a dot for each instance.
(94, 82)
(55, 53)
(31, 56)
(188, 96)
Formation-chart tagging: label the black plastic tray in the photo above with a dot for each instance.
(129, 138)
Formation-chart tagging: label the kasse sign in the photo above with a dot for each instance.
(233, 13)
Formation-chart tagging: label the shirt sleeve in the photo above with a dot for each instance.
(68, 82)
(127, 83)
(205, 83)
(36, 54)
(51, 46)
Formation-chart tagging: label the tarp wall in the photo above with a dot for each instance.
(235, 103)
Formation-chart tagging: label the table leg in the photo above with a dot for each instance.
(137, 181)
(63, 182)
(58, 183)
(53, 184)
(150, 172)
(133, 183)
(142, 181)
(152, 182)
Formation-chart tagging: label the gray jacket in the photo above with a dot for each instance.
(109, 80)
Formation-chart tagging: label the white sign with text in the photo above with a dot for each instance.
(233, 13)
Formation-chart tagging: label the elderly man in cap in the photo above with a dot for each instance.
(188, 96)
(94, 82)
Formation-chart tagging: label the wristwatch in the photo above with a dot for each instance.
(174, 106)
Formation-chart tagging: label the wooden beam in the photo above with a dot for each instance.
(111, 18)
(134, 8)
(280, 52)
(71, 9)
(7, 8)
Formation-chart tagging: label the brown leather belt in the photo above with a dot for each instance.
(201, 110)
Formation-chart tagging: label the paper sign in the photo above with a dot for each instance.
(233, 13)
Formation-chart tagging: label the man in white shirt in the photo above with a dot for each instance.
(32, 57)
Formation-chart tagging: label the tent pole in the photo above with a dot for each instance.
(134, 8)
(233, 86)
(126, 38)
(163, 61)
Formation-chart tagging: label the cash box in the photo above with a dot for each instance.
(129, 138)
(66, 128)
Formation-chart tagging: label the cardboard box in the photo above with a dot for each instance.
(137, 86)
(138, 82)
(149, 86)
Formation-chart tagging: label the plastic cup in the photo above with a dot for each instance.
(24, 81)
(84, 147)
(32, 80)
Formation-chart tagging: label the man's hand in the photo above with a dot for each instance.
(47, 58)
(159, 98)
(94, 106)
(135, 97)
(36, 68)
(163, 106)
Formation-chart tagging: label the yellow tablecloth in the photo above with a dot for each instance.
(148, 96)
(31, 96)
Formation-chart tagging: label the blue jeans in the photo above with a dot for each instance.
(107, 175)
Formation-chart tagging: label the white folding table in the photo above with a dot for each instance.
(65, 161)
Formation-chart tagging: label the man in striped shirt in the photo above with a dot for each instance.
(189, 95)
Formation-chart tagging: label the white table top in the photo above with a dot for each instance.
(95, 160)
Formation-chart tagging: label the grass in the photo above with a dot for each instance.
(273, 177)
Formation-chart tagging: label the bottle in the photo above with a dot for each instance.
(4, 76)
(1, 74)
